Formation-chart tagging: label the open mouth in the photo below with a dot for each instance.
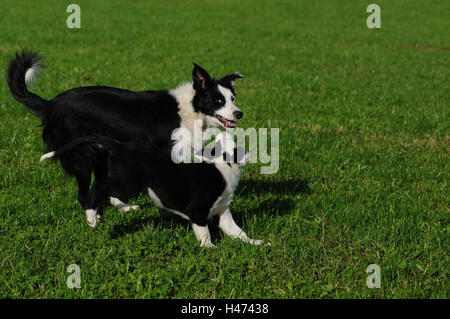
(225, 122)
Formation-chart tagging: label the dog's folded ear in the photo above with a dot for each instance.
(228, 80)
(201, 78)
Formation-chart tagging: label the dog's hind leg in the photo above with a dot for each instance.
(101, 171)
(230, 228)
(83, 178)
(94, 211)
(98, 193)
(196, 213)
(100, 186)
(81, 169)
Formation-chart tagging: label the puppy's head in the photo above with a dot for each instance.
(238, 157)
(231, 154)
(215, 98)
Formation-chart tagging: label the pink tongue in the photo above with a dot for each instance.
(228, 123)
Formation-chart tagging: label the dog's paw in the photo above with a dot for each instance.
(100, 218)
(207, 244)
(91, 217)
(126, 208)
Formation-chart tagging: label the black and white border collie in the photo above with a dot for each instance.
(147, 117)
(195, 191)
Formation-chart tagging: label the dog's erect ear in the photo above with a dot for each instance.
(228, 80)
(201, 78)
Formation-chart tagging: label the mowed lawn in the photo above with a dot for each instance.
(364, 150)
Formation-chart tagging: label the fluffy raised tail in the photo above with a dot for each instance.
(22, 70)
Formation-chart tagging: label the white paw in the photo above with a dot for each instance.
(207, 244)
(126, 208)
(91, 217)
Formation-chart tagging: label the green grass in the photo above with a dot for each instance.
(364, 150)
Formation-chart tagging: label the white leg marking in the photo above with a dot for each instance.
(202, 234)
(154, 198)
(91, 217)
(229, 227)
(121, 206)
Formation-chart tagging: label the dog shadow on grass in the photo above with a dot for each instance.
(292, 186)
(271, 197)
(140, 220)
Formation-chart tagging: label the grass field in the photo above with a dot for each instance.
(364, 150)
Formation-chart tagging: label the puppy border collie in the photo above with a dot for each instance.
(146, 117)
(204, 190)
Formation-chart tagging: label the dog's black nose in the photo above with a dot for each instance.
(238, 114)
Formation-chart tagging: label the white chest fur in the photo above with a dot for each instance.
(232, 175)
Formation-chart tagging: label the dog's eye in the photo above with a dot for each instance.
(219, 101)
(232, 98)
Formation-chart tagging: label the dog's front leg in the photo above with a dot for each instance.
(91, 217)
(203, 235)
(229, 227)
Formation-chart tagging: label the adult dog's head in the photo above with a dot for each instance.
(215, 98)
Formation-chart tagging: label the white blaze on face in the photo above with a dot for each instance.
(227, 111)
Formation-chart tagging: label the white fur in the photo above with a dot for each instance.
(32, 74)
(221, 206)
(121, 206)
(158, 203)
(229, 227)
(154, 198)
(91, 217)
(191, 120)
(231, 174)
(46, 155)
(203, 235)
(184, 94)
(179, 214)
(227, 111)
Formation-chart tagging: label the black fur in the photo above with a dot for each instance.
(147, 117)
(189, 188)
(15, 76)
